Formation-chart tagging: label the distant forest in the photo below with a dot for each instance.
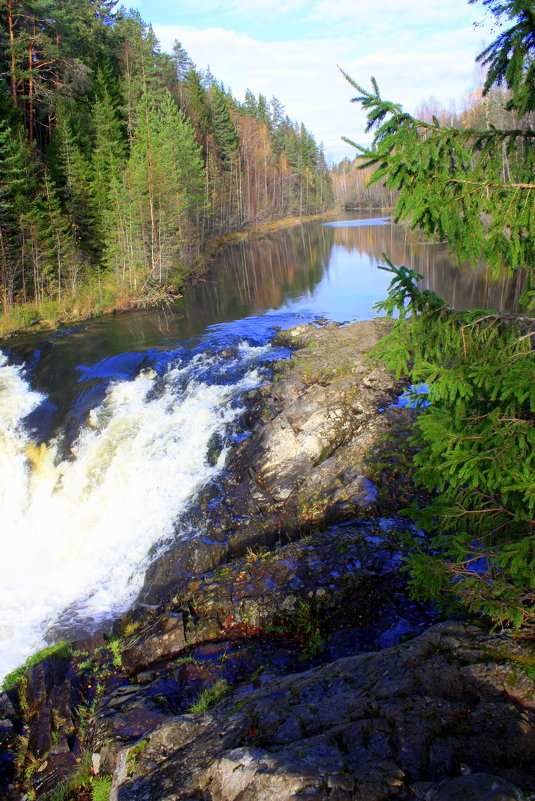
(477, 111)
(119, 163)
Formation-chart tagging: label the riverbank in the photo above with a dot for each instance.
(102, 296)
(277, 653)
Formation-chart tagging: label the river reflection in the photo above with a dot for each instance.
(295, 275)
(462, 286)
(331, 270)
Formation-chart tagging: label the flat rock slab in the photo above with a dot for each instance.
(162, 639)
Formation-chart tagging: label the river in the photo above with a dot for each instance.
(107, 428)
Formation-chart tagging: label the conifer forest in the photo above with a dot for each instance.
(119, 164)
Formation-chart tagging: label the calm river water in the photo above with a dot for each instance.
(105, 427)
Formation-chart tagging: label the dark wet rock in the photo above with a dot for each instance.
(10, 729)
(164, 638)
(343, 575)
(476, 787)
(370, 727)
(228, 353)
(41, 726)
(44, 718)
(327, 594)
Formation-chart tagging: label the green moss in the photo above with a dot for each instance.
(61, 650)
(525, 662)
(137, 750)
(241, 705)
(134, 755)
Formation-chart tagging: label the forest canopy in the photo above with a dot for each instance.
(119, 163)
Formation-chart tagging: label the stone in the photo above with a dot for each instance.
(303, 464)
(164, 638)
(370, 726)
(474, 787)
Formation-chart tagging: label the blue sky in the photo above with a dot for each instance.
(290, 49)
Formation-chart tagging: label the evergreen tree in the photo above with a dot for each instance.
(181, 60)
(13, 200)
(138, 65)
(108, 153)
(163, 188)
(223, 128)
(477, 437)
(509, 58)
(77, 185)
(262, 112)
(208, 78)
(197, 107)
(250, 106)
(55, 238)
(481, 196)
(277, 113)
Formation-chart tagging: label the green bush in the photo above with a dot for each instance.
(477, 451)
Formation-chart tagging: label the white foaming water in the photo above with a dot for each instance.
(77, 533)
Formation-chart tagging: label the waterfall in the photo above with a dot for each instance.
(78, 532)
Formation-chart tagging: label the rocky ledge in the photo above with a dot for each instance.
(307, 462)
(276, 653)
(441, 717)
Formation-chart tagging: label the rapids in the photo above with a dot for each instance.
(79, 531)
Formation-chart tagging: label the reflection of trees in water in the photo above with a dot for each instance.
(461, 286)
(262, 274)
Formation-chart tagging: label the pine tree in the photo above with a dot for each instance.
(197, 107)
(277, 113)
(13, 200)
(477, 437)
(76, 180)
(108, 153)
(138, 65)
(183, 64)
(250, 105)
(164, 189)
(223, 128)
(262, 112)
(55, 238)
(181, 60)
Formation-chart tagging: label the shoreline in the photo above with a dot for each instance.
(165, 295)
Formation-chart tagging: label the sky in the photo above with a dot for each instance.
(291, 49)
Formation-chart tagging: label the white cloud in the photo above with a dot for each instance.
(414, 50)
